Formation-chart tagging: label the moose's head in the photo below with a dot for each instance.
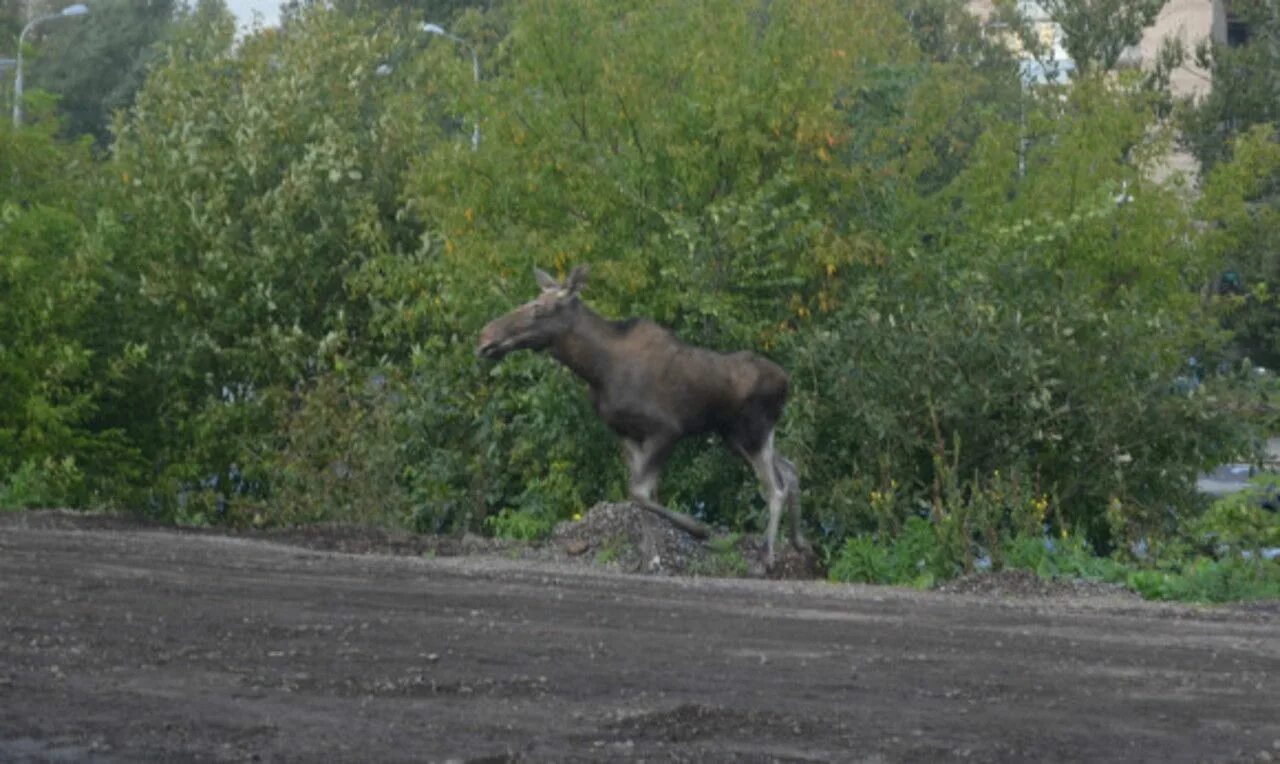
(537, 323)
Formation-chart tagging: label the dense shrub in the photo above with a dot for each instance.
(259, 182)
(54, 447)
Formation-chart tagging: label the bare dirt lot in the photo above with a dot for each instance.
(123, 643)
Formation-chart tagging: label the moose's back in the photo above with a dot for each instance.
(694, 389)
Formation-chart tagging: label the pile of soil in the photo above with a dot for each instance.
(624, 537)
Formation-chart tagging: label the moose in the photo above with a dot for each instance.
(653, 390)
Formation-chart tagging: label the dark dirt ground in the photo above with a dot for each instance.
(120, 642)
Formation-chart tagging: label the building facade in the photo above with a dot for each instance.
(1189, 21)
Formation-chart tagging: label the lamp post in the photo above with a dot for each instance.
(79, 9)
(436, 29)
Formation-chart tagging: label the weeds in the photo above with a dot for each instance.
(614, 550)
(1000, 524)
(520, 526)
(725, 560)
(1207, 580)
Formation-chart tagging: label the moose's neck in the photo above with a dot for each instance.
(586, 347)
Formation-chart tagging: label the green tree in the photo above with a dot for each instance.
(257, 182)
(1241, 111)
(1245, 86)
(52, 449)
(96, 66)
(12, 17)
(436, 11)
(1098, 31)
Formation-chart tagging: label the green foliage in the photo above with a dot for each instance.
(1244, 81)
(53, 447)
(916, 556)
(339, 456)
(522, 526)
(1000, 521)
(1241, 522)
(725, 559)
(1043, 328)
(96, 64)
(1241, 205)
(438, 11)
(614, 550)
(1232, 132)
(254, 209)
(1208, 580)
(1066, 557)
(12, 17)
(978, 518)
(41, 484)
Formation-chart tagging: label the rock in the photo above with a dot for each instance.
(576, 547)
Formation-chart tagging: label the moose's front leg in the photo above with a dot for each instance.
(645, 460)
(644, 467)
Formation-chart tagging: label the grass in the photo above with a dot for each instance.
(613, 550)
(1233, 577)
(725, 560)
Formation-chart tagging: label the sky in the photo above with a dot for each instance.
(243, 9)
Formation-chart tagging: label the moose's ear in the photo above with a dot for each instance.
(545, 281)
(577, 279)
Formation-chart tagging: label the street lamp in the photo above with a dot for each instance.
(79, 9)
(436, 29)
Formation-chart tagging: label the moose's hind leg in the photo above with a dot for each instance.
(774, 482)
(790, 479)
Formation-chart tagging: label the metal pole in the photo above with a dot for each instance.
(17, 75)
(79, 9)
(475, 69)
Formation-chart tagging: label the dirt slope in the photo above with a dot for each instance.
(126, 644)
